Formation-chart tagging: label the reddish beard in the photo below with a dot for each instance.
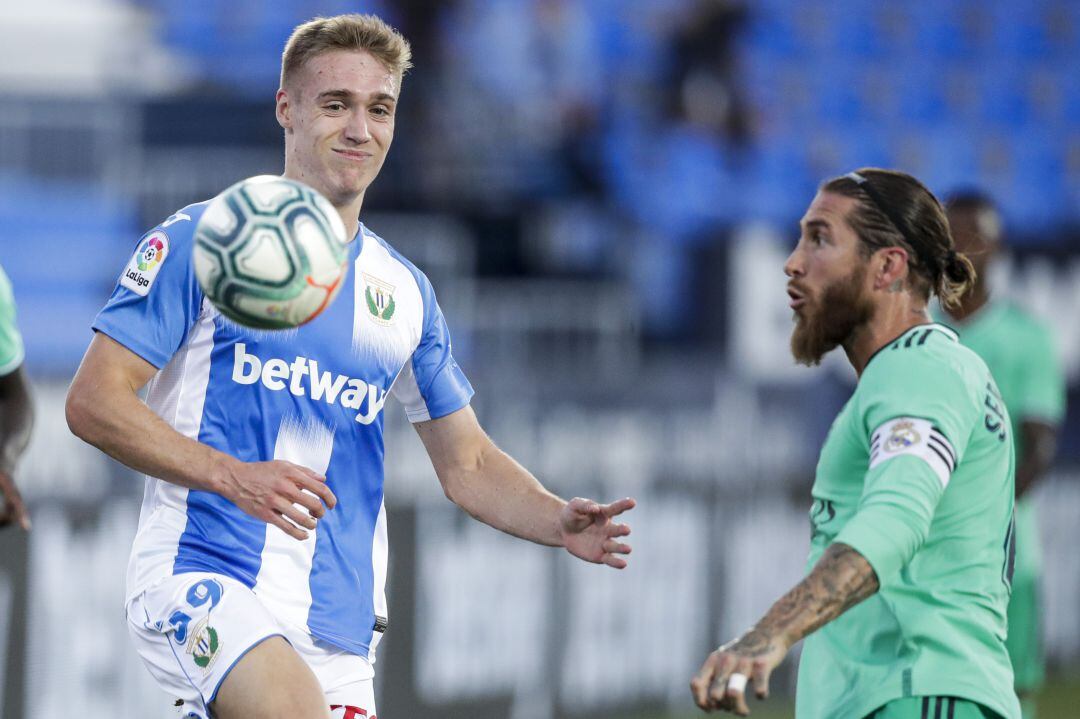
(829, 322)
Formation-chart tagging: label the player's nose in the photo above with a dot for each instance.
(793, 264)
(357, 130)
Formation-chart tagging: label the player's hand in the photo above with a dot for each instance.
(751, 657)
(588, 532)
(14, 510)
(286, 495)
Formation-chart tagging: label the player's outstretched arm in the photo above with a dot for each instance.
(104, 409)
(841, 579)
(488, 484)
(16, 421)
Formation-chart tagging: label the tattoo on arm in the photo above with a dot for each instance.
(841, 579)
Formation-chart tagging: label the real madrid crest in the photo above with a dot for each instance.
(379, 296)
(901, 435)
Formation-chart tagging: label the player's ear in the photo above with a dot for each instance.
(891, 266)
(283, 110)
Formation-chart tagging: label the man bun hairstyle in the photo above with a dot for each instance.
(346, 32)
(896, 210)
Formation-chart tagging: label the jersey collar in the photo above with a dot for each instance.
(909, 336)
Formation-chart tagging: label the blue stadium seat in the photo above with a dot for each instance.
(1070, 85)
(61, 264)
(835, 84)
(1003, 98)
(920, 92)
(866, 145)
(1038, 193)
(1019, 29)
(774, 31)
(859, 33)
(780, 183)
(943, 156)
(949, 30)
(55, 325)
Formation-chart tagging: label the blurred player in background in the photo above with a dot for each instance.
(256, 581)
(906, 597)
(1019, 351)
(16, 410)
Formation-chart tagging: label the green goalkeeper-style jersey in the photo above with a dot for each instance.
(11, 346)
(1020, 352)
(917, 476)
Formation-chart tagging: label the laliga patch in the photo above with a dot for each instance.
(143, 268)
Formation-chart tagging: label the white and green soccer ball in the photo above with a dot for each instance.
(270, 252)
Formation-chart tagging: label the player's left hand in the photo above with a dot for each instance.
(751, 659)
(588, 532)
(14, 511)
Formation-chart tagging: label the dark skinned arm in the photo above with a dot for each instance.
(1040, 444)
(16, 421)
(841, 579)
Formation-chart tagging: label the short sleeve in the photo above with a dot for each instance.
(431, 384)
(1042, 384)
(157, 298)
(11, 344)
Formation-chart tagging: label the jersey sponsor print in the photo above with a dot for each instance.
(312, 395)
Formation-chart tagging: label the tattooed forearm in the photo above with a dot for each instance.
(841, 579)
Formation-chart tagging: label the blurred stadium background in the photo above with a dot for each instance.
(603, 192)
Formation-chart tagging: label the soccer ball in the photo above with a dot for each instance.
(270, 253)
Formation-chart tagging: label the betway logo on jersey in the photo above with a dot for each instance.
(303, 377)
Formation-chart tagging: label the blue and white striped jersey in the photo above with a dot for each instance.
(311, 395)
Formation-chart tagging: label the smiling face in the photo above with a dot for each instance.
(338, 114)
(827, 280)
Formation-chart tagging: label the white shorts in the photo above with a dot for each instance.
(191, 629)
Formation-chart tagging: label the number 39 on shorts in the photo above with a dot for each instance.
(198, 595)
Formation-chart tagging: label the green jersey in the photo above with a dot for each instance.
(917, 476)
(1020, 353)
(11, 347)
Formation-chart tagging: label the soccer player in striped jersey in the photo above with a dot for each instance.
(903, 607)
(1019, 349)
(16, 411)
(255, 585)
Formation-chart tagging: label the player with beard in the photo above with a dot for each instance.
(903, 607)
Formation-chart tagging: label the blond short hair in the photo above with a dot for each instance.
(346, 32)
